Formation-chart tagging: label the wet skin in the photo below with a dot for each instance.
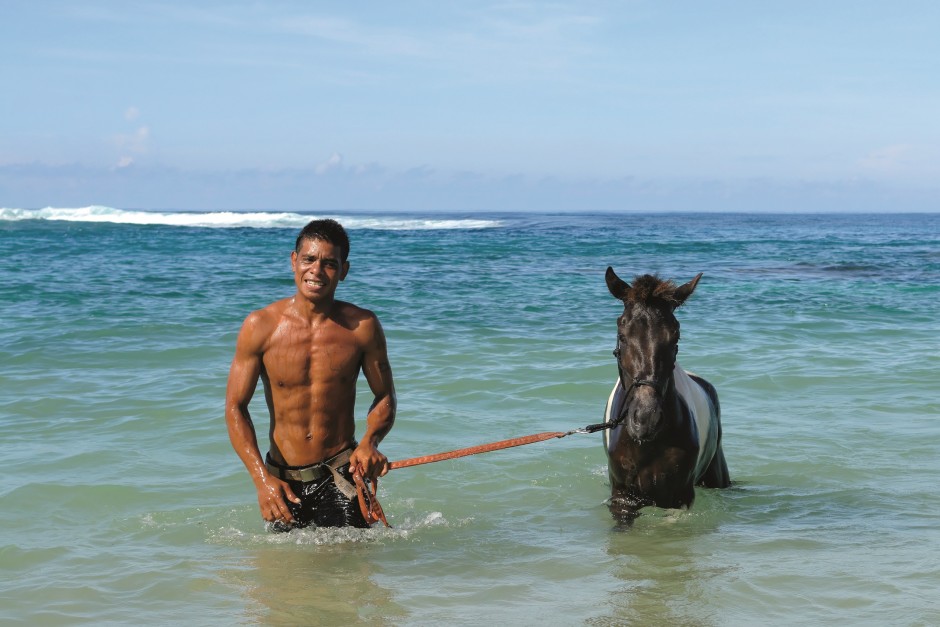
(308, 351)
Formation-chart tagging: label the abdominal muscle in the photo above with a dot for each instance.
(310, 423)
(309, 376)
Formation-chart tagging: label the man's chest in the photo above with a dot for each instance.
(303, 357)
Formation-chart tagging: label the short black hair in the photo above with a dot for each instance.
(327, 230)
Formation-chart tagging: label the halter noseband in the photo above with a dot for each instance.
(637, 381)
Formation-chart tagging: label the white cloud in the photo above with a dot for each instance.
(124, 162)
(335, 161)
(131, 114)
(136, 142)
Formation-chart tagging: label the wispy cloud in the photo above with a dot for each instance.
(335, 161)
(427, 189)
(483, 42)
(371, 39)
(887, 158)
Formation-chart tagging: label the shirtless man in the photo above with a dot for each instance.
(308, 350)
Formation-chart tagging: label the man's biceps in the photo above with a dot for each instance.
(383, 366)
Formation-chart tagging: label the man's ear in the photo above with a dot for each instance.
(293, 261)
(345, 271)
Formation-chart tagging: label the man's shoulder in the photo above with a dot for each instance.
(351, 316)
(275, 309)
(355, 318)
(350, 310)
(268, 316)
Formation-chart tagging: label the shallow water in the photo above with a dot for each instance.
(122, 500)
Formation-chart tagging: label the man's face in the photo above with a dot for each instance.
(318, 269)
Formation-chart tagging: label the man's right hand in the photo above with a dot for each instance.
(272, 493)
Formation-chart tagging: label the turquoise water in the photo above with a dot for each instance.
(122, 501)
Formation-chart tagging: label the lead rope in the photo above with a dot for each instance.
(367, 488)
(369, 505)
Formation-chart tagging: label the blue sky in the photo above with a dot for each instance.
(473, 106)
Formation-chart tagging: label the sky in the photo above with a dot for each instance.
(471, 106)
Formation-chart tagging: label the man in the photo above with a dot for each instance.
(308, 350)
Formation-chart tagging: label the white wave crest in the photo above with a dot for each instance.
(233, 219)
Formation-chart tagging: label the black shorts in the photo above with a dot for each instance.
(321, 504)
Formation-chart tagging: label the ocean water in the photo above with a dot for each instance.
(121, 501)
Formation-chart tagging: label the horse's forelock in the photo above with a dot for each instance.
(649, 288)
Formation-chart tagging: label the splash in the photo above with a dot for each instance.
(313, 536)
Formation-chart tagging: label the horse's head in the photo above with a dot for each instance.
(647, 345)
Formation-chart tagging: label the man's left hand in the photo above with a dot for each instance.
(370, 461)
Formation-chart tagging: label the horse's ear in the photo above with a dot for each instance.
(684, 291)
(617, 286)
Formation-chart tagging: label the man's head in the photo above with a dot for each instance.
(319, 260)
(327, 230)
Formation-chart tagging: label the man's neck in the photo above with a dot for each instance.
(313, 311)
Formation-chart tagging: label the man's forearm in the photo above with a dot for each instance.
(381, 418)
(244, 440)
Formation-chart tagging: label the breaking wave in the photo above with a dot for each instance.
(236, 219)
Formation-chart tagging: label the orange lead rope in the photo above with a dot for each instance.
(482, 448)
(367, 488)
(368, 503)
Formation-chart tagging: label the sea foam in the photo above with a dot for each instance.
(236, 219)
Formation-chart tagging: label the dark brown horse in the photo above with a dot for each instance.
(666, 437)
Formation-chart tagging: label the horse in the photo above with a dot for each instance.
(665, 429)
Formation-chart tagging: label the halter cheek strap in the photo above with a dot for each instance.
(637, 381)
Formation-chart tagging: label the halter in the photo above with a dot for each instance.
(637, 381)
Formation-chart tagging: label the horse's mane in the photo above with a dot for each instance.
(649, 288)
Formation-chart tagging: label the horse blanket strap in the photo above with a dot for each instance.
(318, 471)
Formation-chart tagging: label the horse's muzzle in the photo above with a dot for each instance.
(644, 419)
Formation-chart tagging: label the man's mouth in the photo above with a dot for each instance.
(313, 283)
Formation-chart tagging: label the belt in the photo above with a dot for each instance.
(317, 471)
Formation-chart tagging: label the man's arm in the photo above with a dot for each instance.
(242, 379)
(381, 416)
